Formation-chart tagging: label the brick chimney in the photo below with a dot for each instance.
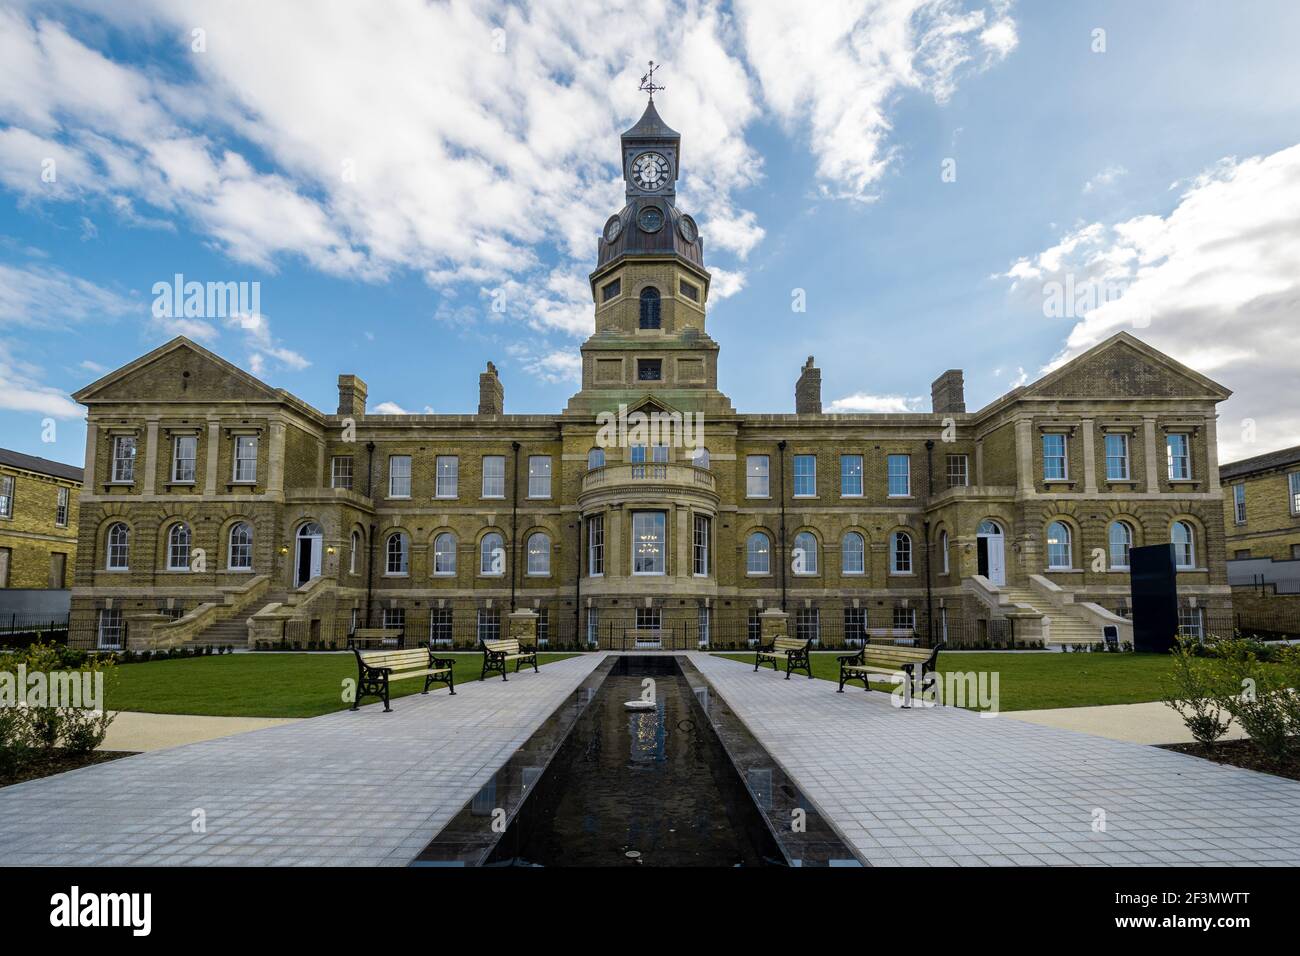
(491, 395)
(808, 390)
(948, 392)
(352, 396)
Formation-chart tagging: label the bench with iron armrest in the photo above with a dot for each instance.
(375, 669)
(393, 636)
(496, 654)
(888, 659)
(792, 650)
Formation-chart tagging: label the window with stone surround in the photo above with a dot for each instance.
(958, 471)
(245, 459)
(756, 471)
(853, 554)
(596, 546)
(900, 476)
(805, 476)
(494, 476)
(185, 451)
(1178, 455)
(1055, 462)
(341, 471)
(123, 459)
(6, 496)
(850, 476)
(1116, 457)
(447, 477)
(1239, 503)
(539, 476)
(399, 476)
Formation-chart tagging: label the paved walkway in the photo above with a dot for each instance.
(363, 788)
(1148, 723)
(139, 733)
(944, 787)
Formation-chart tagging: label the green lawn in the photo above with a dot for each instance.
(1035, 681)
(261, 685)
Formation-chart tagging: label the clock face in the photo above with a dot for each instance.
(613, 228)
(686, 226)
(650, 171)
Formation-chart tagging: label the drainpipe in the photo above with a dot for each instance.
(925, 527)
(514, 525)
(781, 454)
(577, 589)
(370, 550)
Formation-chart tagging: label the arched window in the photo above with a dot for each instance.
(1184, 541)
(700, 458)
(444, 553)
(492, 555)
(943, 550)
(356, 552)
(650, 308)
(1058, 546)
(758, 554)
(596, 458)
(989, 527)
(539, 553)
(119, 546)
(178, 547)
(900, 550)
(240, 556)
(805, 553)
(398, 554)
(1120, 537)
(853, 554)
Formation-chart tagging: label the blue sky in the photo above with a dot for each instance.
(1162, 173)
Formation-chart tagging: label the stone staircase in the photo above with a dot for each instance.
(232, 632)
(1065, 627)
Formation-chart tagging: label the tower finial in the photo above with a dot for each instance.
(648, 82)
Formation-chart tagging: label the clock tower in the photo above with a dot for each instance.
(650, 287)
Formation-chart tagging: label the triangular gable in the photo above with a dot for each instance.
(180, 371)
(1124, 366)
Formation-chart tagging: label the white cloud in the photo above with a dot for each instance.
(863, 402)
(21, 389)
(837, 69)
(261, 345)
(1107, 177)
(390, 408)
(40, 296)
(551, 365)
(1215, 284)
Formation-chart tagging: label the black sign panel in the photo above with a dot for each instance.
(1155, 597)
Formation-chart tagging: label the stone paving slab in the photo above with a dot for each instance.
(364, 788)
(136, 732)
(1147, 723)
(943, 786)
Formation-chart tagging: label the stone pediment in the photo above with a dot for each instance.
(180, 371)
(1123, 366)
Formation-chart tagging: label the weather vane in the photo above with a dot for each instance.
(648, 82)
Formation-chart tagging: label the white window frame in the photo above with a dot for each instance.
(490, 474)
(1110, 545)
(485, 553)
(7, 484)
(355, 541)
(808, 475)
(596, 546)
(1187, 549)
(860, 552)
(595, 459)
(1293, 486)
(487, 624)
(173, 547)
(123, 472)
(896, 538)
(539, 476)
(440, 555)
(403, 555)
(1063, 458)
(1124, 473)
(537, 562)
(61, 507)
(765, 555)
(1191, 622)
(1174, 459)
(179, 477)
(1052, 563)
(110, 622)
(846, 478)
(247, 474)
(124, 548)
(963, 472)
(943, 550)
(658, 520)
(397, 464)
(230, 548)
(1239, 503)
(341, 471)
(701, 532)
(446, 481)
(891, 473)
(811, 558)
(754, 479)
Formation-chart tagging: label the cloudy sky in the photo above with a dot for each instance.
(416, 188)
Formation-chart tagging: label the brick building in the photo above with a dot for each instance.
(1261, 515)
(38, 523)
(218, 505)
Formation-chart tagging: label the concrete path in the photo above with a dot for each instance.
(140, 733)
(945, 787)
(364, 788)
(1150, 723)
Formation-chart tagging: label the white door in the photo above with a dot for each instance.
(991, 534)
(315, 556)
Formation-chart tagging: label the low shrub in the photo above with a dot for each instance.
(1196, 690)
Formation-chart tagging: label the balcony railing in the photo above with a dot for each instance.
(611, 476)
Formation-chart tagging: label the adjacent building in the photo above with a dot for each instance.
(1262, 524)
(649, 510)
(38, 535)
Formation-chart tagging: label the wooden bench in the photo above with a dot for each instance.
(375, 669)
(887, 659)
(792, 650)
(496, 654)
(395, 636)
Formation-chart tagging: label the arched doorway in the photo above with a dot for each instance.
(992, 553)
(308, 553)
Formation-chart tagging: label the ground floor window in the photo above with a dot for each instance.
(593, 626)
(440, 626)
(111, 629)
(1190, 622)
(649, 619)
(489, 625)
(703, 623)
(395, 618)
(755, 626)
(807, 624)
(855, 624)
(905, 618)
(543, 626)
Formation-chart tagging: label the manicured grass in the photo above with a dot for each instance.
(262, 685)
(1035, 681)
